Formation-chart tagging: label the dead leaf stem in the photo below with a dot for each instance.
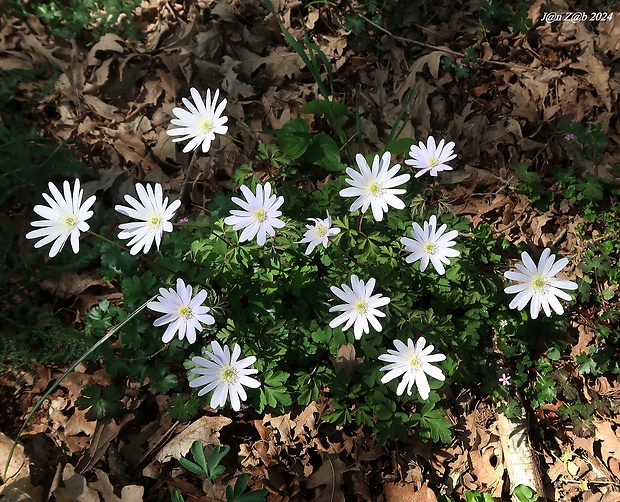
(442, 49)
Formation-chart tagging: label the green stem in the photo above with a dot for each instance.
(193, 225)
(348, 255)
(98, 344)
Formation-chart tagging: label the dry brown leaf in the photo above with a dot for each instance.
(598, 74)
(610, 440)
(283, 424)
(205, 429)
(78, 423)
(330, 475)
(402, 492)
(488, 467)
(16, 61)
(105, 432)
(107, 43)
(233, 87)
(18, 460)
(21, 490)
(609, 35)
(306, 420)
(71, 284)
(346, 360)
(278, 63)
(75, 488)
(100, 108)
(129, 493)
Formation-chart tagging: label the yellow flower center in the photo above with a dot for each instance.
(540, 284)
(430, 248)
(260, 215)
(375, 189)
(70, 222)
(205, 126)
(229, 374)
(415, 362)
(360, 307)
(321, 230)
(154, 221)
(184, 311)
(433, 162)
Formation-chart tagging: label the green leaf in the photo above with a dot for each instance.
(522, 170)
(192, 467)
(323, 107)
(554, 354)
(183, 407)
(294, 138)
(213, 467)
(476, 496)
(591, 188)
(434, 425)
(525, 494)
(101, 401)
(401, 146)
(137, 288)
(587, 365)
(198, 452)
(323, 151)
(608, 294)
(176, 496)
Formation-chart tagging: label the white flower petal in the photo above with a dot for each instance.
(225, 375)
(413, 363)
(360, 307)
(375, 186)
(64, 218)
(537, 285)
(200, 122)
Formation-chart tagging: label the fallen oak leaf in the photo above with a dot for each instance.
(205, 429)
(129, 493)
(330, 475)
(277, 64)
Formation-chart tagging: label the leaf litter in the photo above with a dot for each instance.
(116, 98)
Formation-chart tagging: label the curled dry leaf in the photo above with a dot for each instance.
(205, 429)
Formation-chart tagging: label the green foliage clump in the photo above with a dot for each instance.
(88, 20)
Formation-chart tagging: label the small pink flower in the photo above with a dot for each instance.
(569, 136)
(505, 379)
(183, 220)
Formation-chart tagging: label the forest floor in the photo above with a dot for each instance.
(505, 97)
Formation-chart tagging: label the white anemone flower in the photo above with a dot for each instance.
(374, 186)
(413, 363)
(154, 215)
(318, 233)
(226, 374)
(259, 214)
(430, 244)
(538, 284)
(65, 218)
(360, 307)
(431, 158)
(201, 123)
(182, 313)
